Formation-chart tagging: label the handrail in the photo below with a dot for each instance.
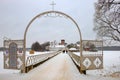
(32, 60)
(75, 58)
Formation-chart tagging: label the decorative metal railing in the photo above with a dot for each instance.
(32, 60)
(89, 61)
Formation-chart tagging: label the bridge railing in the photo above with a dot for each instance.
(75, 58)
(32, 60)
(88, 61)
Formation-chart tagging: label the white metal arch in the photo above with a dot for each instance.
(47, 12)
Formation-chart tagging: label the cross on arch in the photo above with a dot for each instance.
(53, 4)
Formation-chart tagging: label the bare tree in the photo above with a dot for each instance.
(45, 46)
(107, 20)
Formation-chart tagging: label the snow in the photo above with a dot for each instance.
(2, 70)
(59, 71)
(72, 49)
(111, 63)
(37, 53)
(88, 52)
(61, 67)
(57, 47)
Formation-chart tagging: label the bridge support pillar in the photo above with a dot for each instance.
(83, 72)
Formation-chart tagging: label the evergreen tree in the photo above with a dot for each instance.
(36, 46)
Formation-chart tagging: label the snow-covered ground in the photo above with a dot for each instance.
(61, 67)
(37, 53)
(111, 63)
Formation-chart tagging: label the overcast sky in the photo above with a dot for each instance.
(16, 14)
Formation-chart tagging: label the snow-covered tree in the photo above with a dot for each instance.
(107, 20)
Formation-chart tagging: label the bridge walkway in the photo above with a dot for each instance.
(60, 67)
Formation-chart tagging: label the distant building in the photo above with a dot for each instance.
(56, 47)
(62, 42)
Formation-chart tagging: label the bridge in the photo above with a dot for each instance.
(59, 67)
(90, 59)
(36, 60)
(15, 51)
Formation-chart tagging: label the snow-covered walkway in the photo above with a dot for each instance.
(60, 67)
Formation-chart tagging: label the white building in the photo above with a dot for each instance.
(57, 47)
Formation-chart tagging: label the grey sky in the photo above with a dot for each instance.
(16, 14)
